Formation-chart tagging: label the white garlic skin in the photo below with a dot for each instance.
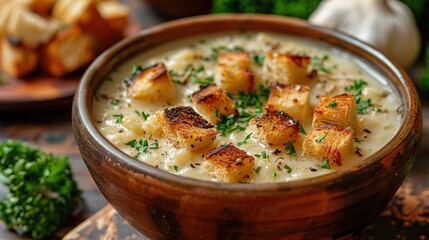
(385, 24)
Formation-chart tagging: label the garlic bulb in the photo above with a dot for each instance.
(385, 24)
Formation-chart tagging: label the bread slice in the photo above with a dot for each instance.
(329, 143)
(228, 164)
(339, 110)
(274, 128)
(292, 99)
(84, 13)
(42, 7)
(16, 60)
(185, 128)
(285, 68)
(70, 50)
(213, 102)
(115, 13)
(153, 84)
(30, 28)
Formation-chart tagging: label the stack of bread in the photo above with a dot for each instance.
(57, 37)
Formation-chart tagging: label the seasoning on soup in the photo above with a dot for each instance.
(246, 108)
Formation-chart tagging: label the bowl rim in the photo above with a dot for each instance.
(83, 104)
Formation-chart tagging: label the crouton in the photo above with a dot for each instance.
(285, 68)
(16, 60)
(153, 84)
(185, 128)
(115, 13)
(7, 9)
(213, 102)
(232, 72)
(330, 142)
(30, 28)
(292, 99)
(84, 14)
(338, 110)
(274, 128)
(228, 164)
(70, 50)
(43, 7)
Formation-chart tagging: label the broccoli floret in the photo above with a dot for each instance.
(295, 8)
(256, 6)
(225, 6)
(42, 193)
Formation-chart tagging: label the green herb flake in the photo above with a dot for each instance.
(319, 63)
(145, 115)
(257, 155)
(357, 87)
(288, 169)
(275, 174)
(118, 117)
(291, 148)
(176, 168)
(114, 102)
(257, 169)
(302, 130)
(357, 139)
(264, 155)
(322, 138)
(325, 164)
(259, 60)
(164, 153)
(332, 104)
(132, 143)
(245, 140)
(136, 69)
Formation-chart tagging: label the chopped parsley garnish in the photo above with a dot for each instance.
(257, 169)
(176, 168)
(228, 124)
(205, 81)
(118, 117)
(257, 155)
(136, 69)
(142, 145)
(362, 105)
(245, 140)
(275, 174)
(259, 59)
(252, 99)
(332, 104)
(288, 169)
(216, 113)
(142, 114)
(357, 87)
(302, 130)
(322, 138)
(357, 139)
(264, 155)
(291, 148)
(318, 63)
(325, 164)
(114, 102)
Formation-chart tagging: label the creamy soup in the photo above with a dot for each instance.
(125, 120)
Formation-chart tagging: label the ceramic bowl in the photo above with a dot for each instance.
(165, 206)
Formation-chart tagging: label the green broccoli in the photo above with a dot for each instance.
(295, 8)
(42, 193)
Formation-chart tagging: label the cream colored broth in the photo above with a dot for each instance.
(119, 117)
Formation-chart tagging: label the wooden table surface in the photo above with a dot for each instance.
(407, 216)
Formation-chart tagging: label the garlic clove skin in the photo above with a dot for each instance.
(385, 24)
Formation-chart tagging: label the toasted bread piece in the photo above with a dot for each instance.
(330, 142)
(232, 72)
(70, 50)
(17, 61)
(43, 7)
(153, 84)
(7, 9)
(274, 128)
(228, 164)
(285, 68)
(185, 128)
(213, 102)
(338, 110)
(292, 99)
(84, 14)
(115, 13)
(30, 28)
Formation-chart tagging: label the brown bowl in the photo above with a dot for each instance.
(165, 206)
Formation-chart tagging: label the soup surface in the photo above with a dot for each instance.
(129, 121)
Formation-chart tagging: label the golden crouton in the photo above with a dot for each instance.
(292, 99)
(339, 110)
(38, 6)
(84, 14)
(70, 50)
(185, 128)
(17, 61)
(285, 68)
(330, 142)
(213, 102)
(115, 13)
(232, 72)
(153, 84)
(228, 164)
(7, 9)
(274, 128)
(30, 28)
